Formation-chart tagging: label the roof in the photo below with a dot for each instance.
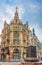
(24, 25)
(8, 25)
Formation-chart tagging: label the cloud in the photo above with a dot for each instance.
(33, 8)
(10, 10)
(8, 14)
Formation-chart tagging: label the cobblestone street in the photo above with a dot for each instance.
(9, 63)
(19, 63)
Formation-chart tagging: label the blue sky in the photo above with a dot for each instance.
(30, 10)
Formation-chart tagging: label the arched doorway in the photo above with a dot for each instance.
(16, 54)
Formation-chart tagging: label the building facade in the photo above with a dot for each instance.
(15, 37)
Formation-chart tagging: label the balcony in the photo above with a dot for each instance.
(16, 45)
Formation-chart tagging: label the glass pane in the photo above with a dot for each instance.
(16, 35)
(16, 28)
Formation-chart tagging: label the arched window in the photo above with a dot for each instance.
(16, 50)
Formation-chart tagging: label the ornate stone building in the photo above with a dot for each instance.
(15, 38)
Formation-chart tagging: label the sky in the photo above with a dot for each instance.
(30, 10)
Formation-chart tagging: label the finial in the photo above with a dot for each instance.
(27, 24)
(5, 21)
(16, 8)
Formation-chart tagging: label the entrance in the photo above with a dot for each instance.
(16, 54)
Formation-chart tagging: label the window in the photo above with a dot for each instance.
(16, 41)
(17, 21)
(16, 28)
(16, 35)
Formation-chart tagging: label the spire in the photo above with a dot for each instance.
(33, 31)
(16, 13)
